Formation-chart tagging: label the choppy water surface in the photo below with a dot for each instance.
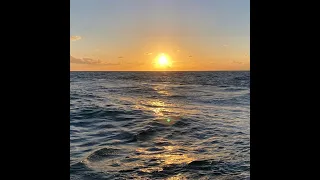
(160, 125)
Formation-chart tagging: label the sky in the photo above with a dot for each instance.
(131, 35)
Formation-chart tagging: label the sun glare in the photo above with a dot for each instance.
(163, 61)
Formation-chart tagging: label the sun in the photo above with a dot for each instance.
(163, 60)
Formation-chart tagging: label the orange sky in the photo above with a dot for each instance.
(207, 36)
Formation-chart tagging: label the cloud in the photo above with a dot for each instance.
(84, 60)
(135, 63)
(110, 64)
(75, 38)
(148, 53)
(90, 61)
(237, 62)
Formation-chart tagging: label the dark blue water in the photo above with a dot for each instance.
(160, 125)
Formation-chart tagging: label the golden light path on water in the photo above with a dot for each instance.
(160, 127)
(166, 113)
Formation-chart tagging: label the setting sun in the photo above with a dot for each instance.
(163, 61)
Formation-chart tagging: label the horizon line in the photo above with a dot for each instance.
(161, 71)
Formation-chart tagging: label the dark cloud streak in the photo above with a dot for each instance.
(90, 61)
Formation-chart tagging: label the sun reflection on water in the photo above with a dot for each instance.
(170, 155)
(177, 177)
(165, 113)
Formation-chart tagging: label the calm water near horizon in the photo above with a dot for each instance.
(160, 125)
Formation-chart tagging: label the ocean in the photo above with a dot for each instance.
(160, 125)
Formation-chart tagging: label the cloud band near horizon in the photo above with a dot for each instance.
(75, 38)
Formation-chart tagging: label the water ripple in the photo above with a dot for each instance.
(159, 125)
